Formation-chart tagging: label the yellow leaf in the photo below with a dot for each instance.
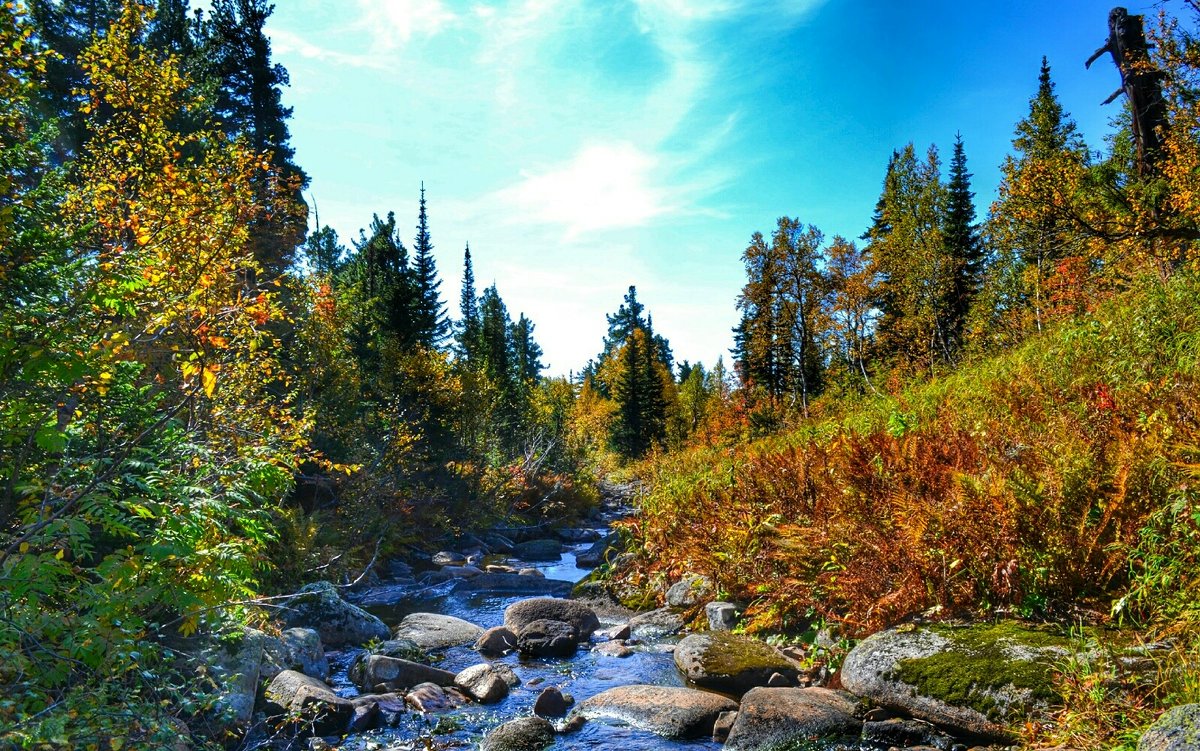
(208, 379)
(59, 554)
(24, 547)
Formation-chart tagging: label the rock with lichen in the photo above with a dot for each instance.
(730, 663)
(980, 680)
(1177, 730)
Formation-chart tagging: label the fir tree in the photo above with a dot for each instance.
(963, 246)
(468, 310)
(432, 325)
(528, 353)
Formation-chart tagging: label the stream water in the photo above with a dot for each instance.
(583, 675)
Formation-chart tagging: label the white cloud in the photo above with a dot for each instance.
(605, 186)
(392, 23)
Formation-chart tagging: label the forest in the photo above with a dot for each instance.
(208, 400)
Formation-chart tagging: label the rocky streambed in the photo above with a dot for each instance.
(488, 651)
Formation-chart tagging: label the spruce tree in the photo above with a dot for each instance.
(432, 325)
(468, 310)
(963, 245)
(528, 353)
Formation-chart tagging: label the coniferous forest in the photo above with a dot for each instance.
(958, 422)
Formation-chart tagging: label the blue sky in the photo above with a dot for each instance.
(581, 147)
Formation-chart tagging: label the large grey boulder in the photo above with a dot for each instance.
(983, 680)
(656, 623)
(436, 631)
(671, 712)
(482, 683)
(304, 652)
(538, 550)
(307, 703)
(689, 591)
(1177, 730)
(521, 613)
(547, 638)
(774, 719)
(339, 623)
(730, 663)
(234, 666)
(525, 734)
(395, 673)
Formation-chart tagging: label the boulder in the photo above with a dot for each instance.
(376, 710)
(498, 543)
(448, 558)
(531, 572)
(655, 623)
(980, 680)
(506, 674)
(497, 640)
(550, 703)
(723, 725)
(905, 733)
(436, 631)
(538, 550)
(428, 698)
(621, 632)
(689, 591)
(339, 623)
(308, 703)
(235, 666)
(461, 572)
(498, 568)
(405, 649)
(730, 663)
(777, 718)
(523, 612)
(677, 713)
(598, 553)
(525, 734)
(613, 648)
(482, 683)
(1177, 730)
(548, 638)
(375, 670)
(521, 585)
(722, 616)
(304, 652)
(576, 536)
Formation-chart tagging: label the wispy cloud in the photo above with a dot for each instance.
(392, 23)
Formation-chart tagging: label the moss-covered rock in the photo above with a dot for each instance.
(1177, 730)
(980, 680)
(731, 663)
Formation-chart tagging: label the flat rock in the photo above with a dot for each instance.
(308, 703)
(523, 612)
(1177, 730)
(436, 631)
(429, 698)
(319, 606)
(395, 673)
(538, 550)
(672, 712)
(522, 585)
(730, 663)
(779, 718)
(525, 734)
(448, 558)
(981, 680)
(537, 573)
(653, 623)
(497, 640)
(548, 638)
(905, 733)
(482, 683)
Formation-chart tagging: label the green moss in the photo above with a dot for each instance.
(730, 654)
(979, 664)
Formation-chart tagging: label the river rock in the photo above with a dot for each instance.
(547, 638)
(374, 670)
(304, 652)
(308, 702)
(655, 623)
(722, 616)
(448, 558)
(405, 649)
(376, 710)
(461, 572)
(538, 550)
(689, 591)
(234, 666)
(619, 632)
(428, 698)
(550, 703)
(583, 618)
(576, 536)
(777, 718)
(723, 725)
(497, 640)
(671, 712)
(598, 553)
(531, 572)
(338, 622)
(904, 733)
(498, 542)
(521, 585)
(525, 734)
(613, 648)
(482, 683)
(436, 631)
(1177, 730)
(977, 680)
(730, 663)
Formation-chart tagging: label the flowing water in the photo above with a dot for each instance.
(584, 675)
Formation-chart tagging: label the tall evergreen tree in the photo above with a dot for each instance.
(528, 353)
(624, 322)
(468, 310)
(432, 324)
(963, 245)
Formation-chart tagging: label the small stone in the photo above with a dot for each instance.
(777, 680)
(497, 640)
(497, 568)
(482, 683)
(448, 558)
(525, 734)
(548, 638)
(430, 697)
(722, 616)
(622, 632)
(531, 572)
(550, 703)
(689, 591)
(612, 649)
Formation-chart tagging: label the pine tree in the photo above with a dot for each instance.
(432, 325)
(528, 365)
(963, 246)
(624, 322)
(468, 329)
